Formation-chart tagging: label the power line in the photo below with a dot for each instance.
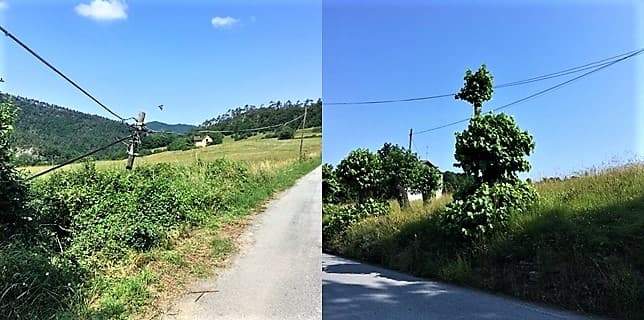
(536, 94)
(561, 73)
(41, 59)
(78, 158)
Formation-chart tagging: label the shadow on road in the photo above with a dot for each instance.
(353, 290)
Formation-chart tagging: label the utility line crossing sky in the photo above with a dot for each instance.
(415, 49)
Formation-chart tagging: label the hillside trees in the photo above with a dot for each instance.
(46, 133)
(272, 114)
(492, 151)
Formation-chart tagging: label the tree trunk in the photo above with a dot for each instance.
(427, 197)
(403, 199)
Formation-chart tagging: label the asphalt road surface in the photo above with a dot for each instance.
(356, 291)
(277, 274)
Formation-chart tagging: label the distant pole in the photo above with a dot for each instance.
(411, 134)
(302, 134)
(136, 140)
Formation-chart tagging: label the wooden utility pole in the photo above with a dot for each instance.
(411, 134)
(136, 140)
(302, 135)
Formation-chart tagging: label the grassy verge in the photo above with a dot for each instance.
(581, 247)
(111, 244)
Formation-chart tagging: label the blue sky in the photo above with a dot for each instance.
(413, 48)
(199, 58)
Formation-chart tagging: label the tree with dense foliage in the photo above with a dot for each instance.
(217, 138)
(478, 88)
(399, 169)
(493, 148)
(427, 180)
(330, 185)
(454, 182)
(492, 151)
(360, 174)
(12, 191)
(181, 143)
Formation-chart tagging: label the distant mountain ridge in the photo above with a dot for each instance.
(171, 128)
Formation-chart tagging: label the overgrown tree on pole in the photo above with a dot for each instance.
(492, 151)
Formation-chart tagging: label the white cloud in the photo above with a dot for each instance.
(103, 10)
(3, 5)
(223, 22)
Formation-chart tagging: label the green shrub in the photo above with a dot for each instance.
(487, 209)
(181, 143)
(110, 212)
(217, 138)
(427, 180)
(337, 218)
(359, 174)
(12, 191)
(286, 133)
(330, 185)
(399, 170)
(35, 284)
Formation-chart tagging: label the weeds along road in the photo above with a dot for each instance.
(356, 291)
(277, 274)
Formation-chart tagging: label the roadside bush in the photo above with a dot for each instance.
(337, 218)
(330, 185)
(427, 180)
(360, 175)
(487, 210)
(286, 133)
(399, 169)
(12, 191)
(100, 215)
(34, 283)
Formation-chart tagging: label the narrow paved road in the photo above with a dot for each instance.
(356, 291)
(277, 275)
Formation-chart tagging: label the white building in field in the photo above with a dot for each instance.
(202, 141)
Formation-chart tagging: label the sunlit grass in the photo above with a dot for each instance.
(257, 152)
(580, 247)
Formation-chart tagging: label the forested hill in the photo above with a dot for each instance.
(172, 128)
(46, 133)
(274, 113)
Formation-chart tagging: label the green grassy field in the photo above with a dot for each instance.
(254, 150)
(581, 247)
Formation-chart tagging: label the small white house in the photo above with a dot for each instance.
(202, 141)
